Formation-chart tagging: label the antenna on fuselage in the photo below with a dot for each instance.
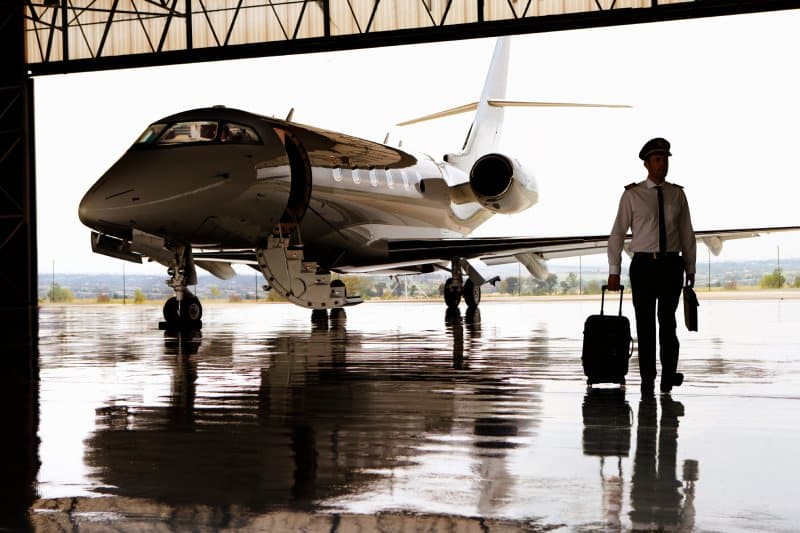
(290, 115)
(387, 138)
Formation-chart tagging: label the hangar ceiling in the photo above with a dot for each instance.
(78, 35)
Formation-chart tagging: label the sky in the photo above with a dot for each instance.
(722, 90)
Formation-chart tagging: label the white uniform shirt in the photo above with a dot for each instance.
(638, 210)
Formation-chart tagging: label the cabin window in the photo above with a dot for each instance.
(150, 133)
(236, 133)
(189, 132)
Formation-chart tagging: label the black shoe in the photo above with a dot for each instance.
(676, 381)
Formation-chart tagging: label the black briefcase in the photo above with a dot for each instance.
(690, 305)
(607, 345)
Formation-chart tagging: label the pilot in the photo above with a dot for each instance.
(664, 248)
(232, 133)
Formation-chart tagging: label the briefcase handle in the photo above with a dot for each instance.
(603, 290)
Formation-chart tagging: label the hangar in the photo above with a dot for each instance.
(65, 36)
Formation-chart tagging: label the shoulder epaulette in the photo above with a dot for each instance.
(630, 185)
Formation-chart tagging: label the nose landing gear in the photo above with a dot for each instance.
(182, 311)
(188, 310)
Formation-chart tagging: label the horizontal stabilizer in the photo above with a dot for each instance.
(523, 103)
(505, 103)
(441, 114)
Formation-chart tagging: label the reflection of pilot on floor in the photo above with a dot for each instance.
(607, 433)
(657, 503)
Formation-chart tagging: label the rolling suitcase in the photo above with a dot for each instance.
(607, 345)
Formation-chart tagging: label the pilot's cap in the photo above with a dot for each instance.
(654, 146)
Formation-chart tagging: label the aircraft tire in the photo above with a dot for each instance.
(171, 314)
(452, 296)
(319, 318)
(191, 310)
(472, 294)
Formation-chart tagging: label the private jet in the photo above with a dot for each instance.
(216, 186)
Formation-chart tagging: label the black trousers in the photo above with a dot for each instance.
(656, 284)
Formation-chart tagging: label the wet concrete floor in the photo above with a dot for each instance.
(402, 418)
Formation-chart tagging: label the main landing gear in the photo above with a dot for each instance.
(182, 311)
(301, 281)
(321, 318)
(455, 287)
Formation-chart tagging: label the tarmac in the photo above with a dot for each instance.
(403, 417)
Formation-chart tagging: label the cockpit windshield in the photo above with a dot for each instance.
(201, 131)
(236, 133)
(189, 132)
(150, 133)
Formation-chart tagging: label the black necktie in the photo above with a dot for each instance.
(662, 226)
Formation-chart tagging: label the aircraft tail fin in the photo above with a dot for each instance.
(484, 134)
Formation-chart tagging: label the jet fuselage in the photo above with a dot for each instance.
(220, 178)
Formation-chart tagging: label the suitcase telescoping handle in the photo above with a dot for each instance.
(603, 298)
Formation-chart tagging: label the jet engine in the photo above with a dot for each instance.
(501, 184)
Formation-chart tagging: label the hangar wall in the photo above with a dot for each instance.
(18, 271)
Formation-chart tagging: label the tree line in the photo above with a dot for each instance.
(415, 286)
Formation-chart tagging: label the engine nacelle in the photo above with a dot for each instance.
(501, 184)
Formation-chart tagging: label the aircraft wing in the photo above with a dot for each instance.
(530, 251)
(238, 256)
(489, 247)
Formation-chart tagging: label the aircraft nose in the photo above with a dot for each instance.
(89, 208)
(100, 208)
(86, 211)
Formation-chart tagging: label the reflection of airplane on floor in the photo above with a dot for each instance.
(307, 421)
(211, 187)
